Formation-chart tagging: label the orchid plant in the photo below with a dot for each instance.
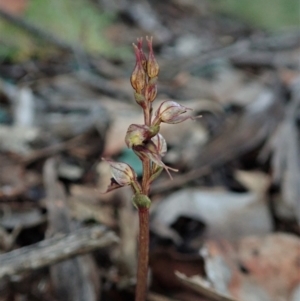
(150, 146)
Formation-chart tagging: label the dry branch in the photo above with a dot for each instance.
(200, 286)
(55, 249)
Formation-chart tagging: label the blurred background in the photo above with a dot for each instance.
(92, 24)
(227, 226)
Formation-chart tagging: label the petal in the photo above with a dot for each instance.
(136, 135)
(113, 185)
(122, 173)
(160, 144)
(179, 119)
(150, 151)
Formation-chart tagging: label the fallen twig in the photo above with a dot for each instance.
(52, 150)
(156, 297)
(55, 249)
(240, 51)
(199, 285)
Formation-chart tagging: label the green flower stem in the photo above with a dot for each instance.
(143, 254)
(136, 187)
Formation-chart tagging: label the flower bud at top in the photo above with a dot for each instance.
(142, 54)
(152, 65)
(171, 112)
(138, 76)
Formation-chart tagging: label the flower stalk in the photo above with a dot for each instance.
(143, 259)
(150, 146)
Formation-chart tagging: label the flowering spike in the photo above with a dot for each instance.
(152, 65)
(138, 77)
(171, 112)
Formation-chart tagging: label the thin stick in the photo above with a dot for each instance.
(54, 250)
(199, 285)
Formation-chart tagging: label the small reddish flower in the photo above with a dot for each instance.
(151, 151)
(171, 112)
(138, 134)
(138, 77)
(152, 65)
(122, 175)
(142, 54)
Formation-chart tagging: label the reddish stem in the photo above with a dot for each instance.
(145, 161)
(143, 254)
(143, 243)
(146, 176)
